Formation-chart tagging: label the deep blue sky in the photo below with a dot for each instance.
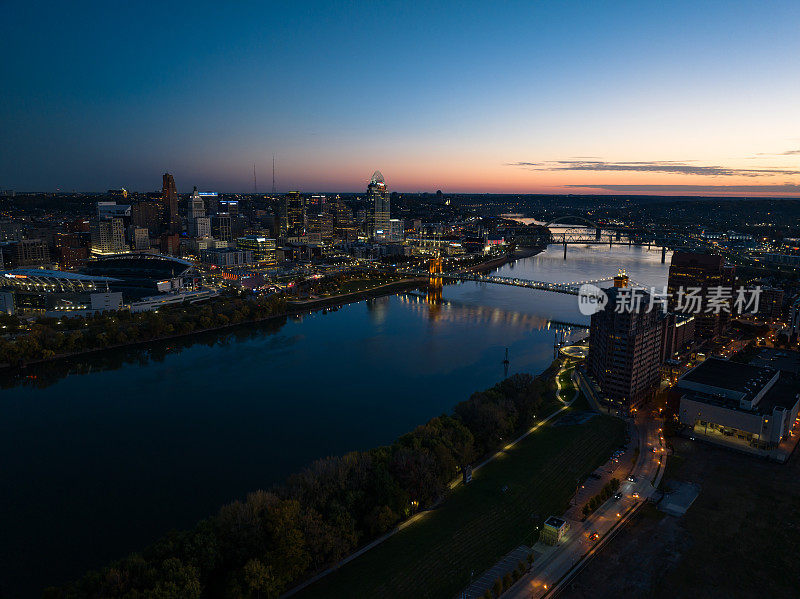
(453, 96)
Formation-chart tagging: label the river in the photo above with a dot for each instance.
(101, 456)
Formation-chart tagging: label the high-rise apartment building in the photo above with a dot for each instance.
(378, 199)
(108, 236)
(625, 348)
(708, 277)
(169, 196)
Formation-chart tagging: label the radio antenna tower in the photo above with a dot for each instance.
(273, 173)
(255, 182)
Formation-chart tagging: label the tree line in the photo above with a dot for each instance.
(46, 338)
(271, 540)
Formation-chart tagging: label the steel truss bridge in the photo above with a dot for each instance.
(579, 230)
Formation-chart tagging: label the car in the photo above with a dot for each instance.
(631, 478)
(617, 495)
(594, 536)
(635, 495)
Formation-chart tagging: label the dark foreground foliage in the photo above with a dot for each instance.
(272, 540)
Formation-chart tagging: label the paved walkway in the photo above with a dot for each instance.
(453, 485)
(558, 564)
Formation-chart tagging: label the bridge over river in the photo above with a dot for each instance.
(570, 288)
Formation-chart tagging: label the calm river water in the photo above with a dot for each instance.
(102, 456)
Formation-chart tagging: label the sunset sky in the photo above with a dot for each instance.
(531, 97)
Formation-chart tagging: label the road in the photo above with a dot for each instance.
(557, 564)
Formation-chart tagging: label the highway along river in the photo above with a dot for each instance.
(102, 455)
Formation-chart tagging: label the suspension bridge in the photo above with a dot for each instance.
(570, 288)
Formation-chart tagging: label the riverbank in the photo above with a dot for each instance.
(293, 307)
(480, 522)
(391, 288)
(367, 492)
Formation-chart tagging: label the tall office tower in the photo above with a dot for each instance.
(712, 278)
(322, 223)
(221, 227)
(200, 227)
(343, 225)
(295, 214)
(196, 207)
(397, 230)
(148, 214)
(231, 207)
(625, 348)
(378, 197)
(169, 195)
(317, 202)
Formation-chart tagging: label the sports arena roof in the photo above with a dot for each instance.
(51, 280)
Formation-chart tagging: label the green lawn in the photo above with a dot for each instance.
(479, 523)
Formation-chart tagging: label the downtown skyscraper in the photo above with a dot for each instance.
(169, 195)
(378, 196)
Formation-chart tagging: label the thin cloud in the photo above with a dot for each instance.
(786, 153)
(658, 166)
(781, 189)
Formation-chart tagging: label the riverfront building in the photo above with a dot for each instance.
(56, 293)
(625, 349)
(745, 406)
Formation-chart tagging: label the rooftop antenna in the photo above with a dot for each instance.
(255, 182)
(273, 173)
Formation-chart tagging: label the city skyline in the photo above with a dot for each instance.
(575, 98)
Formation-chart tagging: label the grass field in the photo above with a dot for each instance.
(479, 523)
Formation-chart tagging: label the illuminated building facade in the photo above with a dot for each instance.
(264, 249)
(378, 198)
(625, 350)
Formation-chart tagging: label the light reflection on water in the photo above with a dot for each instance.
(101, 463)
